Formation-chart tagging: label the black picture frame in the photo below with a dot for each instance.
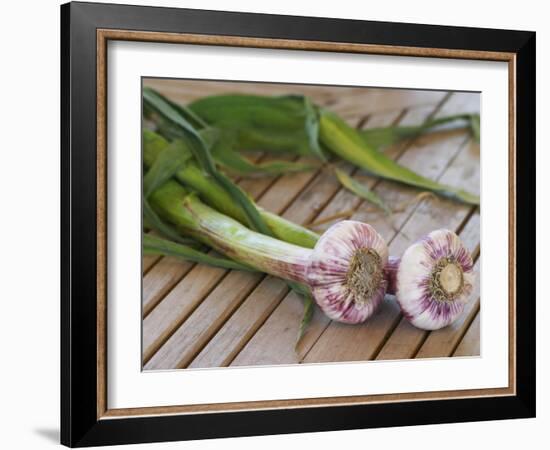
(80, 424)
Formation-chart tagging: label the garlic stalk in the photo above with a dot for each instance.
(213, 194)
(433, 280)
(344, 271)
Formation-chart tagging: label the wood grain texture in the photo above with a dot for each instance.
(470, 343)
(203, 317)
(209, 316)
(160, 279)
(241, 326)
(148, 262)
(347, 47)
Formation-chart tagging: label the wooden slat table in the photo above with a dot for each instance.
(196, 316)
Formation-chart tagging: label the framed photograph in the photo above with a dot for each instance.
(277, 224)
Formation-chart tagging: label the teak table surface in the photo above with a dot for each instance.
(195, 316)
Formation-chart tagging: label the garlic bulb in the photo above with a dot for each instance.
(433, 280)
(346, 271)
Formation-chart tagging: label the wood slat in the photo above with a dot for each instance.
(386, 100)
(240, 327)
(421, 157)
(470, 344)
(160, 279)
(148, 262)
(349, 102)
(205, 320)
(177, 306)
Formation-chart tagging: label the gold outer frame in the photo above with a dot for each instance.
(105, 35)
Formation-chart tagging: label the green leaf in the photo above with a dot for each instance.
(211, 136)
(312, 129)
(153, 245)
(309, 309)
(381, 138)
(146, 225)
(188, 114)
(169, 161)
(214, 195)
(286, 124)
(360, 190)
(228, 158)
(156, 102)
(154, 222)
(279, 124)
(347, 143)
(202, 154)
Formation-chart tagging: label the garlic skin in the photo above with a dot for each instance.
(434, 280)
(346, 271)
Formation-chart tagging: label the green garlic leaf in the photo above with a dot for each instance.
(312, 129)
(154, 222)
(360, 190)
(169, 161)
(193, 139)
(309, 309)
(347, 143)
(286, 124)
(240, 165)
(153, 245)
(384, 137)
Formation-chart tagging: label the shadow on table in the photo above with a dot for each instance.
(50, 434)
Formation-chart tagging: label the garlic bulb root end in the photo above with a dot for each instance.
(346, 271)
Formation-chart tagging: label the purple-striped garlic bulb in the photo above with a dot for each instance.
(346, 271)
(433, 280)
